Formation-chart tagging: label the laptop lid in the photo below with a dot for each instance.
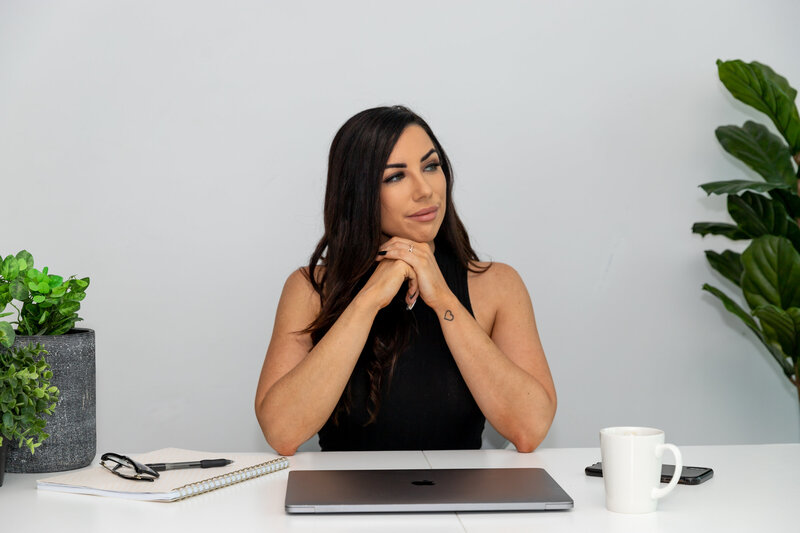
(378, 491)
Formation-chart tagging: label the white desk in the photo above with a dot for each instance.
(754, 487)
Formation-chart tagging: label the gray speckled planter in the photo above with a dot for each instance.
(3, 453)
(73, 425)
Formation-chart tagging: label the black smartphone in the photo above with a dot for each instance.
(690, 475)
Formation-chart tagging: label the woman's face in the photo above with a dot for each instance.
(413, 188)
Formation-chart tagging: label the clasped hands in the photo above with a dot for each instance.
(401, 259)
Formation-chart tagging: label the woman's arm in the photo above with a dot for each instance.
(301, 384)
(507, 372)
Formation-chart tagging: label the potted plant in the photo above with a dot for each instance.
(26, 394)
(765, 212)
(47, 308)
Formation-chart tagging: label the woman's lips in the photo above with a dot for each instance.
(425, 215)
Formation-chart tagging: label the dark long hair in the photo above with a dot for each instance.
(347, 249)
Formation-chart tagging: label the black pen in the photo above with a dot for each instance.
(206, 463)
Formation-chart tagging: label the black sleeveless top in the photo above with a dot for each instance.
(426, 405)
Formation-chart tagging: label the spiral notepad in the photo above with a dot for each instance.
(172, 485)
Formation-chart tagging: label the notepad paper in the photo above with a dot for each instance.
(172, 485)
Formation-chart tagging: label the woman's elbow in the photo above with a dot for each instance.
(527, 443)
(279, 442)
(528, 439)
(281, 446)
(283, 449)
(524, 447)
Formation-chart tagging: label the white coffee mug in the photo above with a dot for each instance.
(632, 468)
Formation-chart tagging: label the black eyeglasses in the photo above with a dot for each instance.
(127, 468)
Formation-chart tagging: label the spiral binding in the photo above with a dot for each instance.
(226, 480)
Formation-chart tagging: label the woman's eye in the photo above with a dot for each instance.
(393, 178)
(430, 167)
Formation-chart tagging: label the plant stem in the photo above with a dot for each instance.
(19, 313)
(796, 379)
(797, 160)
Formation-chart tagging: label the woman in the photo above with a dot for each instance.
(395, 336)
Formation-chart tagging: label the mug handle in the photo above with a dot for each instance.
(659, 492)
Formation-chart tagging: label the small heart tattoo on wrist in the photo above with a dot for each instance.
(448, 316)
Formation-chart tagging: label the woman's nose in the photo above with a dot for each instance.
(422, 189)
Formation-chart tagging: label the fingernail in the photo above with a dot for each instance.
(383, 252)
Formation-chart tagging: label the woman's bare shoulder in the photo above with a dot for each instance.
(303, 272)
(493, 275)
(298, 285)
(489, 290)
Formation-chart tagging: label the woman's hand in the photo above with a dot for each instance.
(427, 280)
(385, 282)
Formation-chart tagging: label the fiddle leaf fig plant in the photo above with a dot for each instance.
(25, 395)
(49, 303)
(766, 213)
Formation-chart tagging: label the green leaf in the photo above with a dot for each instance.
(789, 200)
(727, 263)
(8, 420)
(24, 255)
(734, 308)
(54, 281)
(781, 326)
(5, 294)
(38, 299)
(59, 291)
(758, 215)
(719, 228)
(9, 269)
(757, 85)
(737, 186)
(67, 308)
(75, 296)
(65, 327)
(771, 273)
(7, 334)
(18, 290)
(34, 275)
(781, 82)
(760, 150)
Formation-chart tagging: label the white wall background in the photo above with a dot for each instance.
(175, 152)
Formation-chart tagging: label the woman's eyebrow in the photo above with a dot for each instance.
(423, 158)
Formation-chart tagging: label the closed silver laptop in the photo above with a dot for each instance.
(392, 491)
